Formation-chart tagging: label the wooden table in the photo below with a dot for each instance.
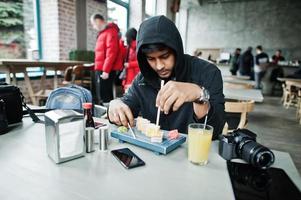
(236, 77)
(239, 81)
(289, 79)
(14, 66)
(243, 94)
(296, 83)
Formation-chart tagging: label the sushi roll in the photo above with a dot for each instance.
(141, 124)
(152, 130)
(157, 138)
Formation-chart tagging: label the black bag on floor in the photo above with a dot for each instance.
(12, 102)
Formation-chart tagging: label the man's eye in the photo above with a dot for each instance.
(150, 59)
(165, 56)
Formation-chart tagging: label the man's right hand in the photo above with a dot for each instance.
(120, 113)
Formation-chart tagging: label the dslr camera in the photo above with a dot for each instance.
(242, 144)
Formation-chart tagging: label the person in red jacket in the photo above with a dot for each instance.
(107, 58)
(131, 63)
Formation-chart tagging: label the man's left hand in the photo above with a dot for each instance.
(174, 94)
(104, 75)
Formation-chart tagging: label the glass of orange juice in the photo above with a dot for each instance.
(199, 142)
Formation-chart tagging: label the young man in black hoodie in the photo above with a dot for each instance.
(184, 97)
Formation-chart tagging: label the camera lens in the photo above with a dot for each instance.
(264, 158)
(256, 154)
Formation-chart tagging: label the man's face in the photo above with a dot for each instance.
(278, 53)
(162, 62)
(98, 24)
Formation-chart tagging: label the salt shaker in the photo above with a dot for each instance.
(103, 138)
(89, 139)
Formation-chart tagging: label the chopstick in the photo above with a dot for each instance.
(159, 109)
(131, 130)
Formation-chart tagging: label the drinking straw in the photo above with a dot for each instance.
(205, 123)
(158, 111)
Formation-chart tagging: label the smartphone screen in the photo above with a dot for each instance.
(127, 158)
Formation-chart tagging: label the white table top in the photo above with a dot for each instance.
(27, 172)
(243, 94)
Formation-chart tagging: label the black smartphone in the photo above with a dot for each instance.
(127, 158)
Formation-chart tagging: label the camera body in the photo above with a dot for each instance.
(3, 119)
(242, 144)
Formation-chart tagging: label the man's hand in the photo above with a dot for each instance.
(174, 94)
(104, 75)
(120, 113)
(126, 65)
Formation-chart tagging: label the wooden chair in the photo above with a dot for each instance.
(67, 76)
(289, 97)
(241, 108)
(80, 76)
(298, 113)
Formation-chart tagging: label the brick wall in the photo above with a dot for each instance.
(58, 22)
(92, 8)
(67, 28)
(50, 29)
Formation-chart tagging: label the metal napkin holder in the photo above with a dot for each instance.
(64, 131)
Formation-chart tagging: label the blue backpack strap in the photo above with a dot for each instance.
(83, 90)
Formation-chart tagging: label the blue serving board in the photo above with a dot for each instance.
(143, 141)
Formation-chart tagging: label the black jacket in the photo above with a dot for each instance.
(141, 96)
(246, 63)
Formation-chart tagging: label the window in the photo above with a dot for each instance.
(18, 35)
(118, 13)
(150, 8)
(18, 32)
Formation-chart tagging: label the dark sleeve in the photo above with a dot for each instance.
(268, 58)
(216, 115)
(131, 99)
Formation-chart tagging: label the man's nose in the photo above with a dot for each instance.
(160, 65)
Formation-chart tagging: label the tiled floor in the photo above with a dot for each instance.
(277, 127)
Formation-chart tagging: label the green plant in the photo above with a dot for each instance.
(81, 55)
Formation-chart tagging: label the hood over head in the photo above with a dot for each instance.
(160, 29)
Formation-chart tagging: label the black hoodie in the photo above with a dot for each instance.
(141, 96)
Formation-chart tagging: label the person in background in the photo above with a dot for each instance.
(131, 64)
(122, 51)
(261, 64)
(184, 98)
(235, 61)
(108, 59)
(210, 58)
(277, 57)
(246, 63)
(198, 53)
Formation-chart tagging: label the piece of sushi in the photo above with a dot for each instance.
(152, 130)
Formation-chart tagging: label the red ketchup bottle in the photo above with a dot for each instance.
(88, 115)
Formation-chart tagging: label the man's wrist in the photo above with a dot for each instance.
(203, 96)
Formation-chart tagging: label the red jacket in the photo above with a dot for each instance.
(133, 67)
(122, 51)
(107, 56)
